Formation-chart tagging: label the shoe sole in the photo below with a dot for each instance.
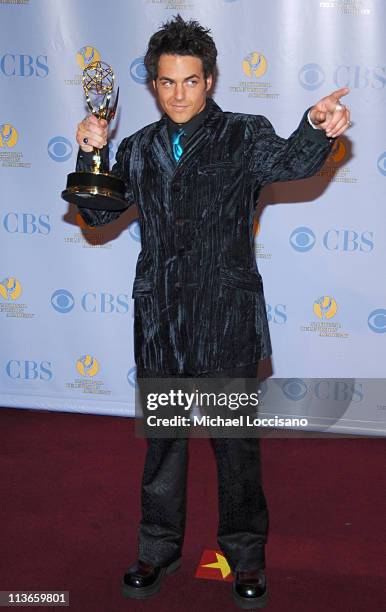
(152, 589)
(247, 603)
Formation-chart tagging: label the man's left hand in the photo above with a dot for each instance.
(330, 115)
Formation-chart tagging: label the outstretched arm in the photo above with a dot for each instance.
(271, 158)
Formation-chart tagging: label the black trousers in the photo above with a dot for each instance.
(243, 514)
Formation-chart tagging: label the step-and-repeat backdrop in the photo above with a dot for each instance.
(66, 312)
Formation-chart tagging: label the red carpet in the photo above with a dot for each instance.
(70, 507)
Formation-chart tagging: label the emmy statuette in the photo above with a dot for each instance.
(97, 190)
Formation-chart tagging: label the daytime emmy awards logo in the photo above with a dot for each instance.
(325, 309)
(87, 365)
(10, 291)
(8, 136)
(254, 66)
(86, 55)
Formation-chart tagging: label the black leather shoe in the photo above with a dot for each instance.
(250, 589)
(143, 580)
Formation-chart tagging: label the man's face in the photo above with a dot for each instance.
(181, 87)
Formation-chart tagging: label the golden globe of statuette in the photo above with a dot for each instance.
(97, 190)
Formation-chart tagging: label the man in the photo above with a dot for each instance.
(199, 304)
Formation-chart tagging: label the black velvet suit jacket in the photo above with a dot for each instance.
(199, 301)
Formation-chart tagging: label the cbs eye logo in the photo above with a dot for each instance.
(59, 149)
(138, 71)
(132, 377)
(302, 239)
(311, 76)
(135, 231)
(381, 163)
(62, 301)
(294, 389)
(377, 321)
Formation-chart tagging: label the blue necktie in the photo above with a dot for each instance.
(177, 148)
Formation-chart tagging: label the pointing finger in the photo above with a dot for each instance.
(340, 92)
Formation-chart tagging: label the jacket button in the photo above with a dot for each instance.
(177, 286)
(179, 221)
(181, 250)
(177, 187)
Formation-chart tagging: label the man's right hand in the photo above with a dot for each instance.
(94, 130)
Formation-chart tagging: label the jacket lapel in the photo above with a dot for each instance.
(161, 147)
(161, 143)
